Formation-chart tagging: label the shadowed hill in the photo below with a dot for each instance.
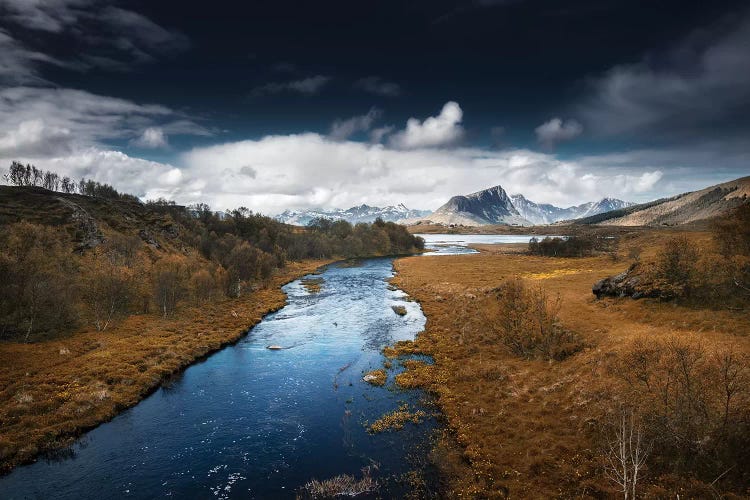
(84, 217)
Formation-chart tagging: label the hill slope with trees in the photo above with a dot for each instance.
(89, 255)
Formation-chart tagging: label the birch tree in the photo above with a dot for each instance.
(626, 455)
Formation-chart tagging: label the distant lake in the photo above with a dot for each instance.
(457, 244)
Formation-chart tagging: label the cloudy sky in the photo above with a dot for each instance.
(296, 104)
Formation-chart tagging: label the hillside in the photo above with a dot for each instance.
(86, 219)
(695, 206)
(147, 256)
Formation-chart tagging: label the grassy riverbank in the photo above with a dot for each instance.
(53, 391)
(533, 428)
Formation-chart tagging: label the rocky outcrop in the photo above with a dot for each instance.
(631, 283)
(88, 234)
(149, 238)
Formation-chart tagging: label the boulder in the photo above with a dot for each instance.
(630, 283)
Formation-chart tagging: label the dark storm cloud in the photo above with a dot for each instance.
(104, 36)
(19, 64)
(699, 85)
(284, 67)
(378, 86)
(471, 5)
(309, 86)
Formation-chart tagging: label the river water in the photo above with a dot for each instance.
(249, 422)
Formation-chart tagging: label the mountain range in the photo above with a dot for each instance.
(544, 213)
(494, 206)
(362, 213)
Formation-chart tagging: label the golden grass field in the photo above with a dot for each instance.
(526, 428)
(53, 391)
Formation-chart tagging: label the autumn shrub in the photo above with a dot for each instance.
(572, 246)
(111, 279)
(677, 268)
(39, 292)
(202, 286)
(106, 291)
(695, 405)
(732, 238)
(170, 277)
(526, 320)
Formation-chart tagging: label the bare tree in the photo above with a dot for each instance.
(626, 454)
(68, 186)
(37, 176)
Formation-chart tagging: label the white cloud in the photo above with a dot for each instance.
(378, 86)
(152, 138)
(343, 129)
(36, 137)
(441, 130)
(307, 86)
(556, 130)
(378, 134)
(310, 170)
(274, 173)
(143, 178)
(51, 121)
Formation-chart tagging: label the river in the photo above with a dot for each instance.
(249, 422)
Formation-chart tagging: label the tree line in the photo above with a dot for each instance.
(180, 256)
(28, 175)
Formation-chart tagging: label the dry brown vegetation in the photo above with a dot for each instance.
(375, 377)
(340, 486)
(53, 391)
(396, 419)
(533, 426)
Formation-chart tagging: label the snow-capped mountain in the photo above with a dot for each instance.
(544, 213)
(489, 206)
(362, 213)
